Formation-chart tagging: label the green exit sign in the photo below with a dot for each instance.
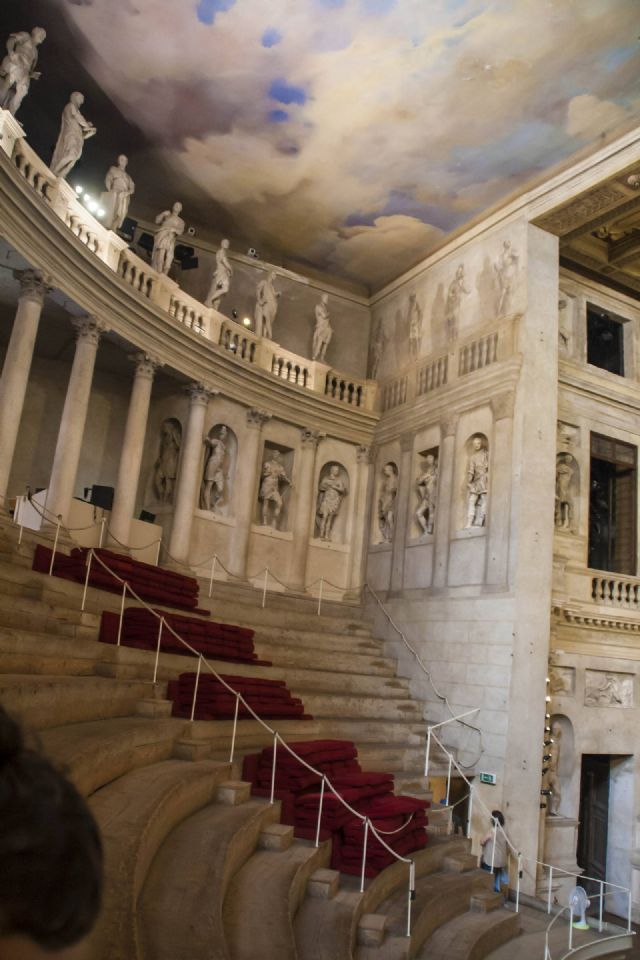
(488, 778)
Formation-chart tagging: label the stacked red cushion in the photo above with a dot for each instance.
(268, 698)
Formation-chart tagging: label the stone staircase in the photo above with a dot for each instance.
(194, 866)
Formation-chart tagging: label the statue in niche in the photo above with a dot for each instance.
(477, 484)
(331, 492)
(506, 269)
(273, 475)
(214, 481)
(604, 690)
(266, 306)
(221, 280)
(120, 189)
(18, 67)
(452, 305)
(171, 227)
(323, 330)
(415, 327)
(165, 469)
(551, 776)
(427, 482)
(387, 501)
(564, 497)
(564, 326)
(74, 130)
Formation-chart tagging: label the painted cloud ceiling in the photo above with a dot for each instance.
(354, 135)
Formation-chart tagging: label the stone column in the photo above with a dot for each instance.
(407, 441)
(442, 532)
(244, 494)
(188, 482)
(305, 501)
(74, 417)
(361, 514)
(17, 364)
(500, 479)
(124, 500)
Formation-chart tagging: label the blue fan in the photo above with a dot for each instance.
(579, 904)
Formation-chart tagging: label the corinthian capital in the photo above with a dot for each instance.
(89, 329)
(146, 364)
(200, 394)
(257, 418)
(34, 285)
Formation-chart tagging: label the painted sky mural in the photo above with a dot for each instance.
(354, 135)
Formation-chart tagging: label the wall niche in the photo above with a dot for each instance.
(218, 472)
(425, 493)
(274, 491)
(165, 467)
(567, 496)
(331, 510)
(475, 484)
(385, 503)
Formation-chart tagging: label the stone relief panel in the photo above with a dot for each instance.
(603, 688)
(165, 469)
(275, 486)
(476, 481)
(216, 488)
(333, 488)
(427, 491)
(562, 681)
(385, 503)
(567, 496)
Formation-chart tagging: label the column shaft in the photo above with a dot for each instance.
(442, 524)
(17, 365)
(244, 494)
(74, 417)
(305, 500)
(360, 517)
(189, 474)
(124, 500)
(500, 474)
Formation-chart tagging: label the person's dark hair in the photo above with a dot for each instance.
(50, 848)
(499, 816)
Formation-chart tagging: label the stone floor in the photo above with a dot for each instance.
(530, 944)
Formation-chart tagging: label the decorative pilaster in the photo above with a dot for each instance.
(361, 515)
(448, 429)
(17, 365)
(500, 472)
(407, 442)
(124, 499)
(189, 473)
(74, 416)
(305, 500)
(244, 495)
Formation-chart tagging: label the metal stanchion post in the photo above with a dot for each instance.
(195, 689)
(601, 906)
(320, 811)
(158, 551)
(412, 891)
(235, 727)
(86, 579)
(155, 669)
(124, 596)
(320, 595)
(55, 545)
(364, 854)
(264, 589)
(518, 883)
(549, 894)
(273, 768)
(470, 812)
(213, 573)
(448, 782)
(101, 538)
(427, 751)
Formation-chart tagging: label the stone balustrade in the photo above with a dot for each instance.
(432, 375)
(357, 393)
(394, 393)
(612, 589)
(287, 366)
(478, 353)
(34, 171)
(239, 340)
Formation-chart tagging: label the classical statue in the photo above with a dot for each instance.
(603, 691)
(427, 482)
(506, 268)
(564, 502)
(165, 469)
(221, 279)
(266, 306)
(415, 327)
(552, 779)
(323, 330)
(477, 484)
(164, 242)
(273, 474)
(120, 189)
(452, 305)
(331, 492)
(74, 130)
(214, 480)
(18, 67)
(387, 501)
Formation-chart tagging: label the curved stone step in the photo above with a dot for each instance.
(268, 889)
(334, 705)
(95, 753)
(183, 895)
(350, 661)
(135, 815)
(471, 937)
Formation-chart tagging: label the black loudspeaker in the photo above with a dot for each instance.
(147, 517)
(102, 497)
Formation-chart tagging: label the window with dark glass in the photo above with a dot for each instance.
(612, 506)
(605, 341)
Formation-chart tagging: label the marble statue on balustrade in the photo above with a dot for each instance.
(18, 67)
(214, 482)
(74, 130)
(332, 490)
(274, 476)
(323, 330)
(427, 483)
(387, 501)
(120, 189)
(221, 279)
(165, 469)
(506, 270)
(415, 327)
(477, 483)
(564, 494)
(455, 293)
(171, 226)
(266, 306)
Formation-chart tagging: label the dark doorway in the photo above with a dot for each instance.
(594, 818)
(604, 340)
(612, 506)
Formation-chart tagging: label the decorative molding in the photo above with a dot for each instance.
(34, 285)
(594, 621)
(579, 212)
(89, 329)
